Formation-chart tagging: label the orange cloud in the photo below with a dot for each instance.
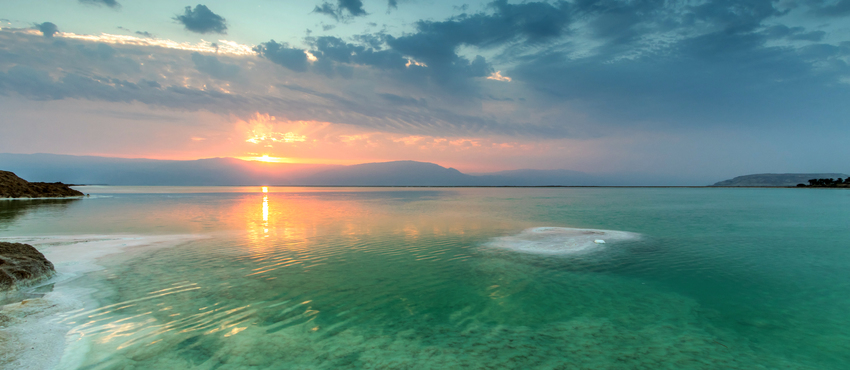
(497, 76)
(218, 47)
(266, 130)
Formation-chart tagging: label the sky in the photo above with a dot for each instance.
(701, 90)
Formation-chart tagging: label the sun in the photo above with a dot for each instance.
(267, 158)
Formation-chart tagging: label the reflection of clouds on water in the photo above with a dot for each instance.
(559, 240)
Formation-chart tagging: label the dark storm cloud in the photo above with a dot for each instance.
(292, 58)
(109, 3)
(210, 65)
(202, 20)
(343, 10)
(47, 29)
(392, 4)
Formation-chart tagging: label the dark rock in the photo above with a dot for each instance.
(22, 264)
(12, 186)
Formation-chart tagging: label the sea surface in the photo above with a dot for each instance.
(428, 278)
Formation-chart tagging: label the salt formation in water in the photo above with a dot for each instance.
(559, 240)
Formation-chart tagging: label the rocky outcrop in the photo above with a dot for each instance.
(12, 186)
(21, 264)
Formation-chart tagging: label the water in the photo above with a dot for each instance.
(336, 278)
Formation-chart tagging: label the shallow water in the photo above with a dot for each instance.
(331, 278)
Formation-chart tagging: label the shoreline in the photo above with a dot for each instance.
(33, 333)
(459, 186)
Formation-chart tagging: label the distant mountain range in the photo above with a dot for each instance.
(231, 171)
(778, 179)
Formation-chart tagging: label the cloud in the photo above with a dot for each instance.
(354, 7)
(436, 43)
(39, 85)
(497, 76)
(343, 10)
(109, 3)
(202, 20)
(401, 100)
(47, 29)
(392, 4)
(35, 69)
(840, 8)
(793, 33)
(140, 33)
(292, 58)
(210, 65)
(338, 50)
(711, 64)
(682, 65)
(102, 51)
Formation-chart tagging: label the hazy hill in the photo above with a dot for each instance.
(540, 178)
(232, 171)
(124, 171)
(398, 173)
(777, 179)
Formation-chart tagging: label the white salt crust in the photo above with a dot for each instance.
(559, 240)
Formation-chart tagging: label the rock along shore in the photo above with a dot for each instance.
(21, 265)
(12, 186)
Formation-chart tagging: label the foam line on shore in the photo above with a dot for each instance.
(559, 240)
(31, 333)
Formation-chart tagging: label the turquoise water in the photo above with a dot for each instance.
(336, 278)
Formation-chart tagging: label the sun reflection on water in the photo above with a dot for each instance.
(265, 213)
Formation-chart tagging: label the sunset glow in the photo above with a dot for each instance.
(472, 87)
(225, 47)
(266, 158)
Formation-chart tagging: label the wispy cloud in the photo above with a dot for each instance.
(219, 47)
(109, 3)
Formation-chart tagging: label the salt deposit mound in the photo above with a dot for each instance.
(559, 240)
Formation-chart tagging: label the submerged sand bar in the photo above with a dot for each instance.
(560, 240)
